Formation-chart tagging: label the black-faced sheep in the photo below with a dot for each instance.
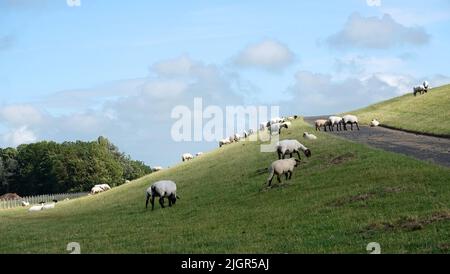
(162, 189)
(290, 147)
(335, 121)
(322, 123)
(374, 123)
(350, 119)
(280, 167)
(186, 157)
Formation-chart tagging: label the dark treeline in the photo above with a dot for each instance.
(49, 167)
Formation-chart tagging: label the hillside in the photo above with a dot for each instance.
(426, 113)
(343, 197)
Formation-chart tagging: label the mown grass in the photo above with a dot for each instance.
(426, 113)
(333, 204)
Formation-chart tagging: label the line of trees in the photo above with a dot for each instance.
(49, 167)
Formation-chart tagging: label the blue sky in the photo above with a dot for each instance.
(117, 68)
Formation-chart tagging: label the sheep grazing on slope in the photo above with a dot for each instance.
(186, 157)
(309, 136)
(276, 128)
(49, 206)
(291, 118)
(157, 168)
(350, 119)
(105, 187)
(198, 154)
(237, 137)
(421, 89)
(280, 167)
(162, 189)
(322, 123)
(335, 121)
(223, 142)
(374, 123)
(290, 147)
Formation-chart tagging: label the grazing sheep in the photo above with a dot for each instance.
(96, 190)
(291, 118)
(36, 207)
(280, 167)
(273, 121)
(335, 121)
(198, 154)
(162, 189)
(426, 85)
(237, 137)
(186, 157)
(223, 142)
(290, 147)
(350, 119)
(105, 187)
(157, 168)
(309, 136)
(276, 128)
(374, 123)
(322, 123)
(418, 89)
(25, 203)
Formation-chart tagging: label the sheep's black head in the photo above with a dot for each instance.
(295, 116)
(173, 199)
(308, 153)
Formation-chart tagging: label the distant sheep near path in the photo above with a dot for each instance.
(335, 121)
(162, 189)
(322, 123)
(280, 167)
(96, 190)
(36, 208)
(157, 168)
(49, 206)
(374, 123)
(186, 157)
(350, 119)
(223, 142)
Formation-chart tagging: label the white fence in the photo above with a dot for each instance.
(5, 204)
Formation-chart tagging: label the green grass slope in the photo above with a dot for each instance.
(339, 200)
(426, 113)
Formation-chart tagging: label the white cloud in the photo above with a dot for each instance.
(20, 115)
(376, 33)
(268, 54)
(373, 3)
(180, 66)
(19, 136)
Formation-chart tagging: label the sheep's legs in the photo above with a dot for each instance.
(287, 176)
(290, 175)
(153, 202)
(357, 125)
(161, 202)
(278, 178)
(298, 153)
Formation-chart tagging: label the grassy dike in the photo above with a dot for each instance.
(343, 197)
(424, 113)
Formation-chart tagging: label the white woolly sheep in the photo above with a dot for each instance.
(335, 121)
(322, 123)
(276, 128)
(309, 136)
(157, 168)
(198, 154)
(96, 190)
(291, 118)
(25, 203)
(223, 142)
(186, 157)
(237, 137)
(36, 207)
(290, 147)
(280, 167)
(105, 187)
(374, 123)
(49, 206)
(162, 189)
(350, 119)
(426, 85)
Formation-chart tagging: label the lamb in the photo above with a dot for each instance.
(157, 168)
(335, 121)
(36, 207)
(276, 128)
(96, 189)
(25, 203)
(350, 119)
(280, 167)
(309, 136)
(374, 123)
(186, 157)
(162, 189)
(291, 146)
(322, 123)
